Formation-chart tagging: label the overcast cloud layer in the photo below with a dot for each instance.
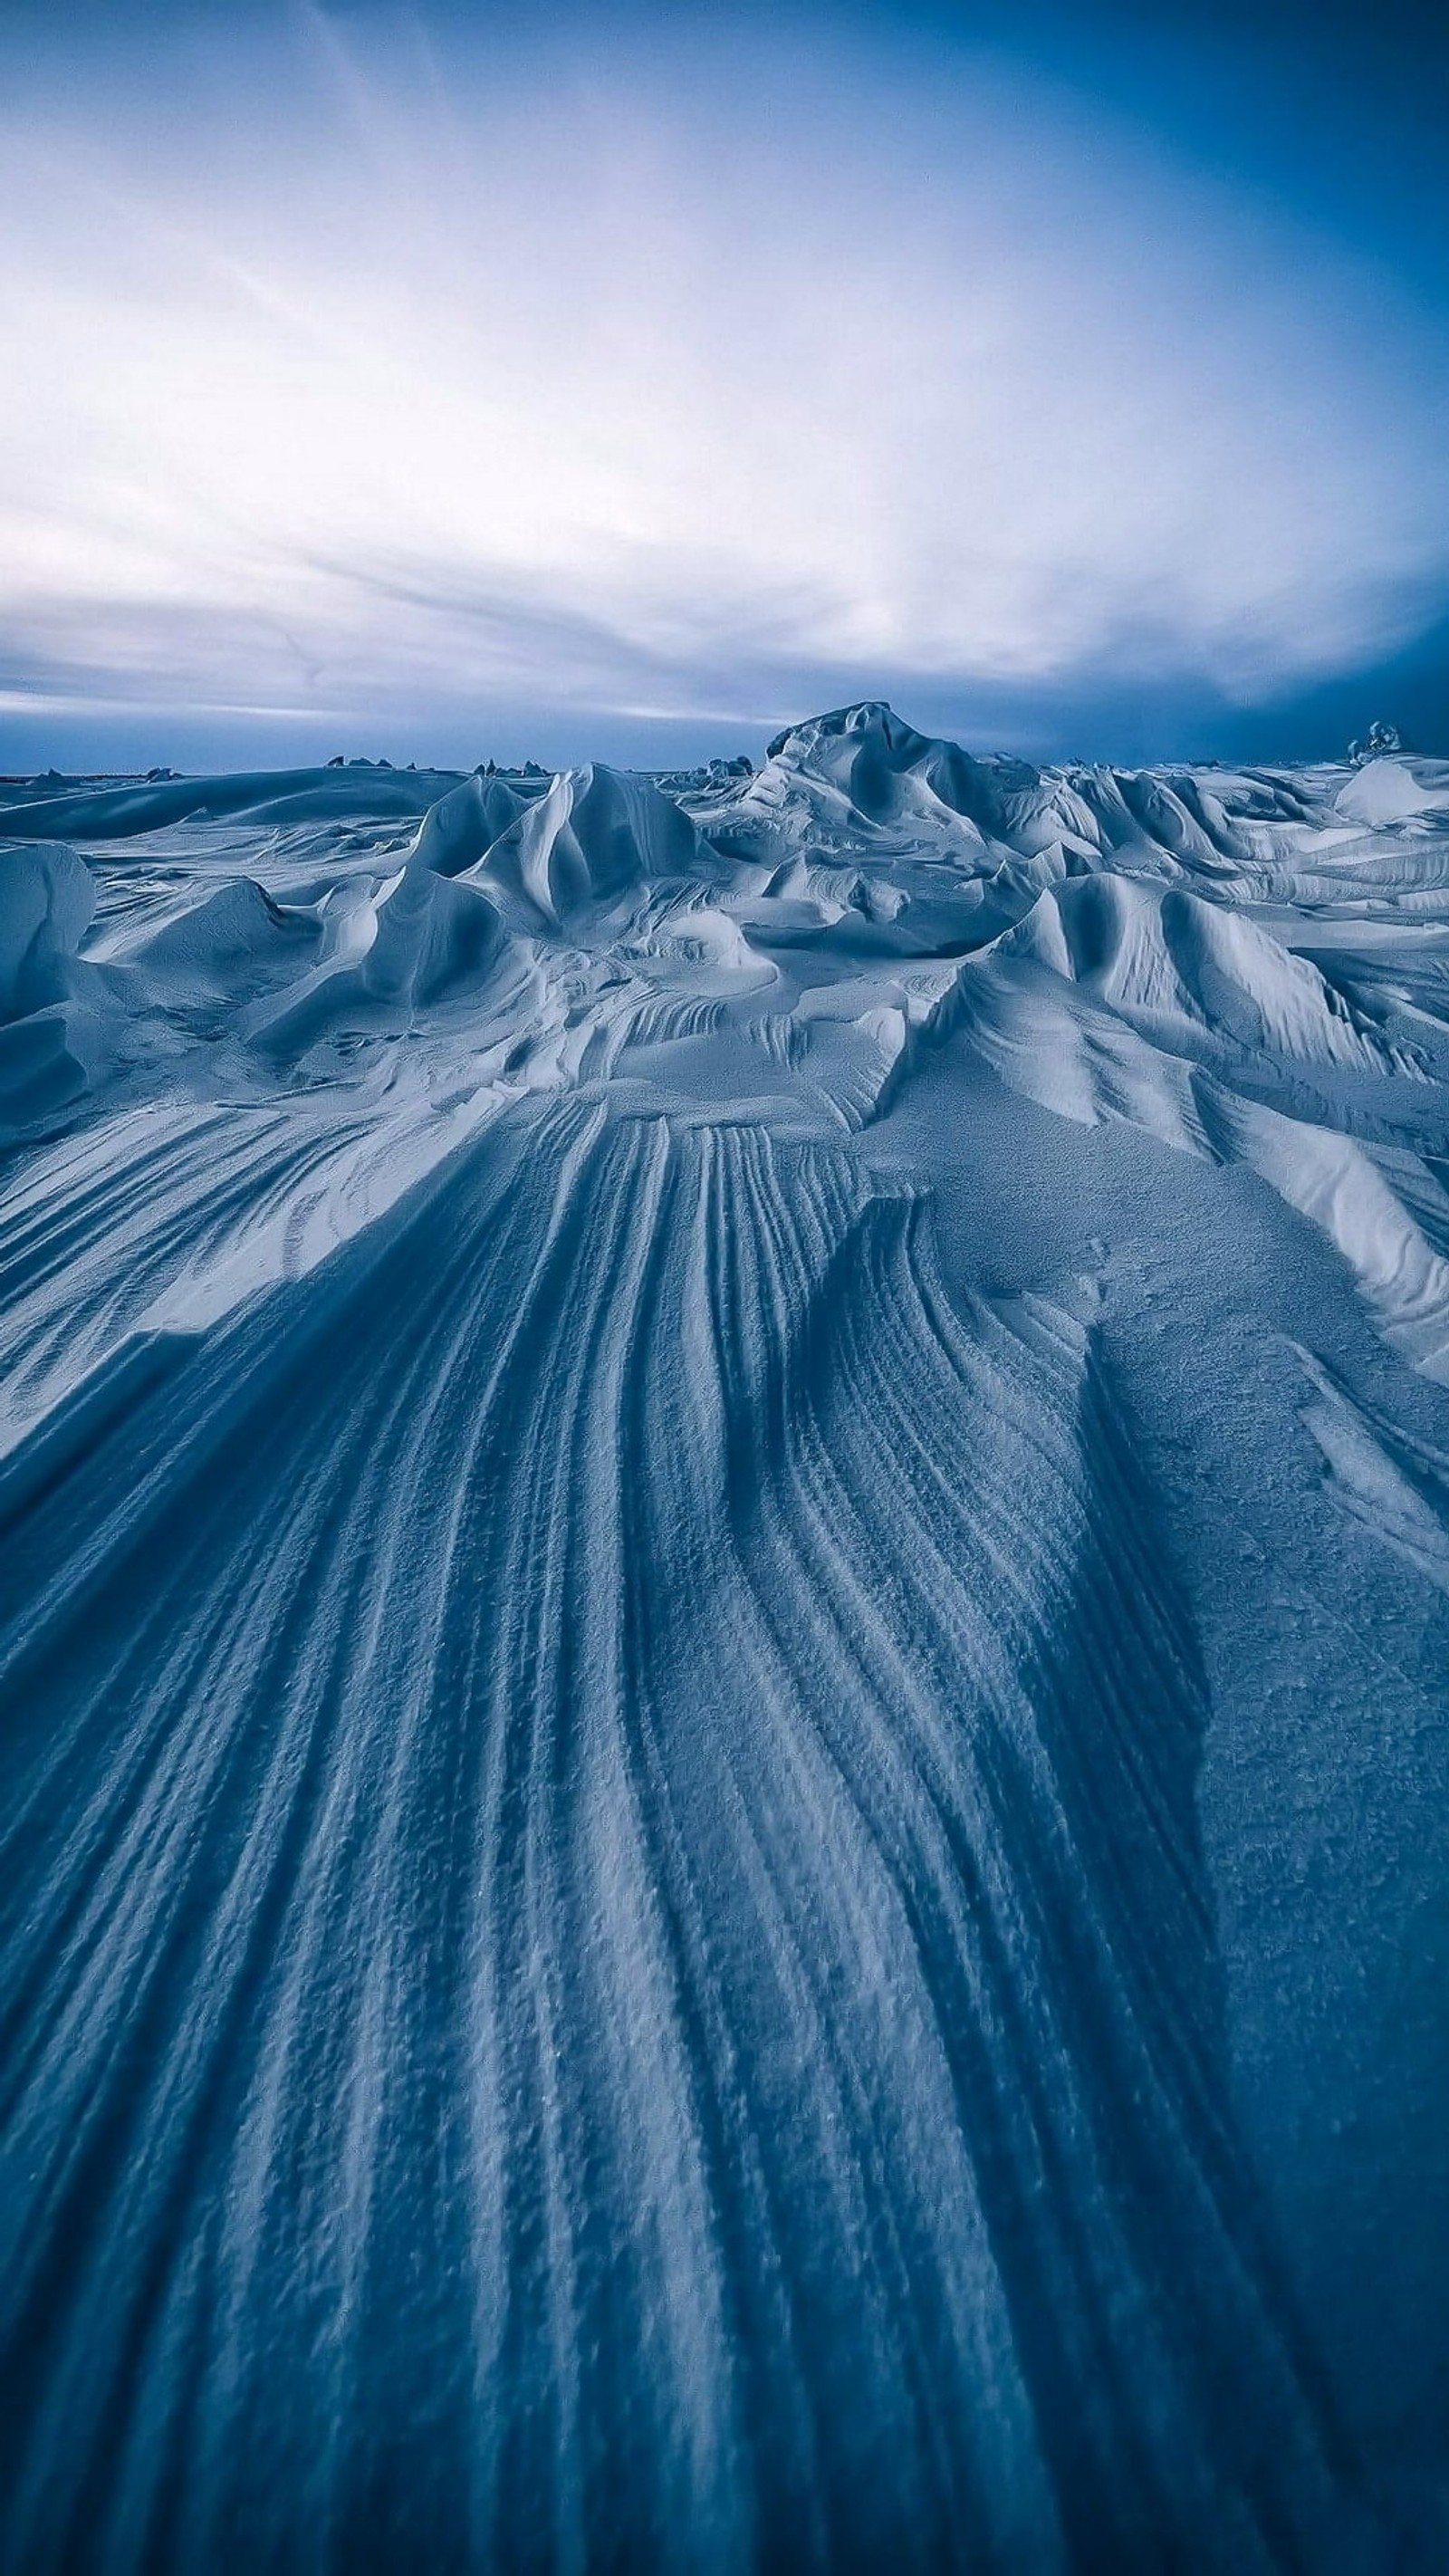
(384, 376)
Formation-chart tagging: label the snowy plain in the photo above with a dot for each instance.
(724, 1616)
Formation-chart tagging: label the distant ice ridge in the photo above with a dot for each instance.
(724, 1594)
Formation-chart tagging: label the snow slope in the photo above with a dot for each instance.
(724, 1607)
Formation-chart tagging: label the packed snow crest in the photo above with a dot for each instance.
(724, 1612)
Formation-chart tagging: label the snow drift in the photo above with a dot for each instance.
(723, 1610)
(53, 1013)
(593, 834)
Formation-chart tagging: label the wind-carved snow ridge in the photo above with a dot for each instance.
(613, 1627)
(850, 2106)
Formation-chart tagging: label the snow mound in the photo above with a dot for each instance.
(1165, 954)
(47, 898)
(455, 833)
(592, 835)
(886, 772)
(388, 949)
(863, 769)
(1391, 791)
(53, 1006)
(234, 944)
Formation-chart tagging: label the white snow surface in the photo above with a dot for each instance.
(725, 1616)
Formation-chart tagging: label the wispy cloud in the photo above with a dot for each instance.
(441, 368)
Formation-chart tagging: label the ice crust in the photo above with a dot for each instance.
(724, 1612)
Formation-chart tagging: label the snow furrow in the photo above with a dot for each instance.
(579, 1864)
(703, 1494)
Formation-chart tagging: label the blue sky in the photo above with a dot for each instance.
(454, 381)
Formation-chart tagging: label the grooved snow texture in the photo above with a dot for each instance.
(726, 1553)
